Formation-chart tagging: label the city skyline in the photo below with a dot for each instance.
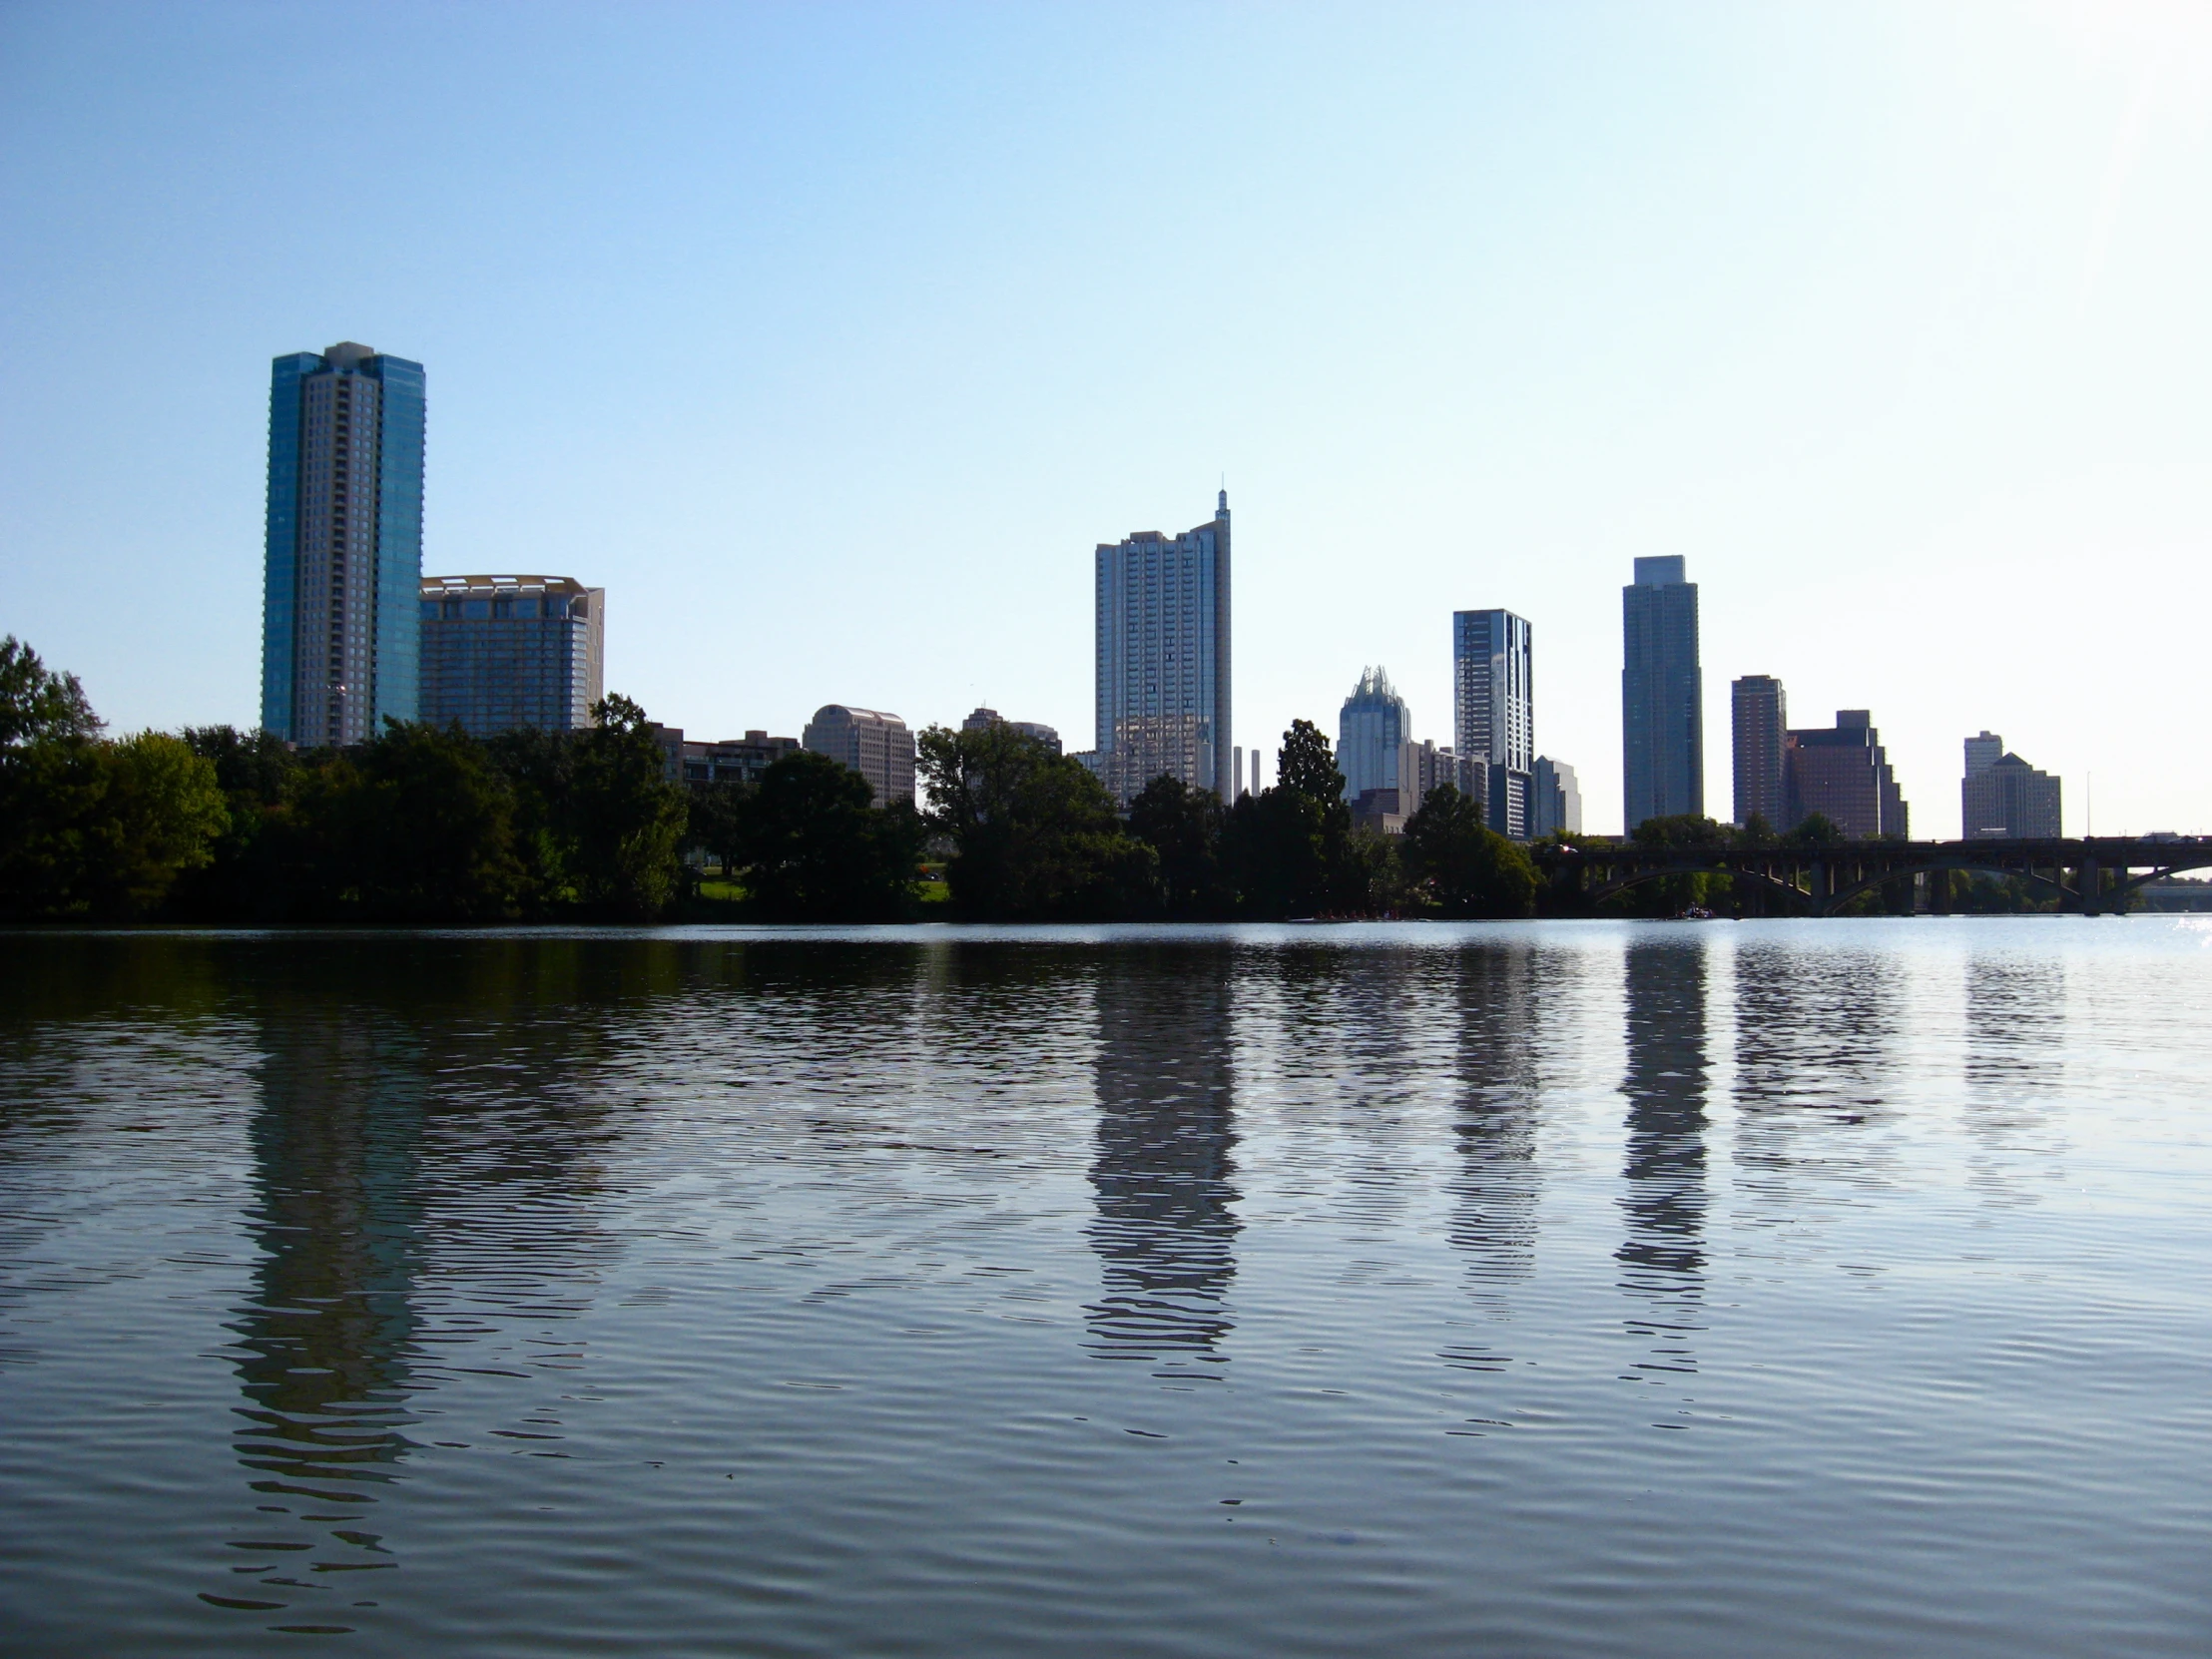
(839, 313)
(498, 652)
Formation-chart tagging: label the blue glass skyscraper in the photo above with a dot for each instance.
(1662, 696)
(1371, 727)
(340, 628)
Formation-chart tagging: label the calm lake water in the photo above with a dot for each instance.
(1830, 1288)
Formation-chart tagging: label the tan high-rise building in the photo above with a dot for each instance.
(876, 744)
(1162, 660)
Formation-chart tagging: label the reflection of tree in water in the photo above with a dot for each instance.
(2014, 1064)
(1164, 1228)
(1497, 1186)
(1663, 1256)
(326, 1341)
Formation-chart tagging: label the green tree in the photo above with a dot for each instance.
(1669, 895)
(539, 768)
(624, 819)
(718, 823)
(815, 848)
(1035, 835)
(245, 878)
(37, 703)
(1461, 866)
(1816, 830)
(1183, 828)
(102, 830)
(1290, 849)
(429, 828)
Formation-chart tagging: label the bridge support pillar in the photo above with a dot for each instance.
(2090, 878)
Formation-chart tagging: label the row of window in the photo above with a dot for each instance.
(494, 610)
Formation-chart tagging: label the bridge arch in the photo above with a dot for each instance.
(1759, 879)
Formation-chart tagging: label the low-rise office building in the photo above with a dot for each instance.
(501, 651)
(732, 760)
(873, 744)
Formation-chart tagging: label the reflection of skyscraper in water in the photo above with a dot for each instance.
(1663, 1256)
(1814, 1041)
(2014, 1063)
(1496, 1187)
(1165, 1226)
(325, 1344)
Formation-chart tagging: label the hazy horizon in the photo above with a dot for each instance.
(830, 342)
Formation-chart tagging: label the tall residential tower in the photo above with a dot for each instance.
(1662, 696)
(1163, 660)
(343, 547)
(1493, 710)
(1760, 716)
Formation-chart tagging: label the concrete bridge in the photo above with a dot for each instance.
(2089, 875)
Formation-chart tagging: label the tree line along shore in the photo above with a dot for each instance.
(426, 825)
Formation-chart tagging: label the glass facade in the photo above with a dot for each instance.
(500, 652)
(399, 539)
(282, 538)
(1371, 727)
(342, 544)
(1662, 696)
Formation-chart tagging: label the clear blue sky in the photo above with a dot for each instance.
(830, 340)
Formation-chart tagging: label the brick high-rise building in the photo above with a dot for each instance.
(1842, 773)
(1759, 718)
(342, 545)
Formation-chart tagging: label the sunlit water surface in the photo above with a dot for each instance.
(1586, 1288)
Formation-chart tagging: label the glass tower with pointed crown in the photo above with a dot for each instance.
(1163, 660)
(1370, 729)
(341, 626)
